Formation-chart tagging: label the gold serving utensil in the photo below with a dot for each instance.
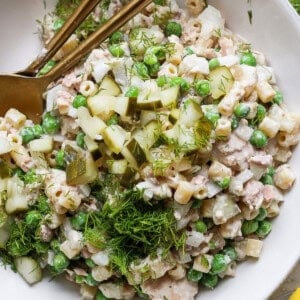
(71, 24)
(26, 93)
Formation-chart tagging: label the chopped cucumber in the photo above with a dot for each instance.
(147, 136)
(101, 105)
(91, 126)
(174, 115)
(4, 169)
(149, 104)
(128, 177)
(4, 233)
(169, 97)
(115, 137)
(190, 113)
(109, 87)
(117, 167)
(43, 145)
(29, 269)
(146, 116)
(221, 81)
(137, 155)
(81, 170)
(16, 198)
(92, 147)
(124, 106)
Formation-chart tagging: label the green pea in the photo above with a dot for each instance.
(79, 101)
(266, 179)
(184, 85)
(248, 58)
(213, 116)
(262, 214)
(141, 70)
(50, 124)
(230, 252)
(58, 24)
(78, 221)
(213, 64)
(27, 134)
(162, 80)
(60, 262)
(116, 50)
(260, 113)
(89, 262)
(278, 99)
(264, 228)
(100, 296)
(241, 110)
(150, 59)
(80, 140)
(55, 245)
(47, 67)
(60, 159)
(132, 92)
(219, 263)
(194, 275)
(91, 281)
(249, 226)
(116, 37)
(258, 139)
(202, 87)
(153, 69)
(224, 183)
(33, 218)
(201, 226)
(234, 122)
(38, 131)
(209, 280)
(173, 28)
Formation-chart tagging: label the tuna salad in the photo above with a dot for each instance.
(160, 161)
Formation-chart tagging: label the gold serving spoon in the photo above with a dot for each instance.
(26, 93)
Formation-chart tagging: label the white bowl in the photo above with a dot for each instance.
(275, 32)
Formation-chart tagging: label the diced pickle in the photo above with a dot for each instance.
(221, 81)
(81, 170)
(137, 152)
(128, 177)
(5, 170)
(109, 87)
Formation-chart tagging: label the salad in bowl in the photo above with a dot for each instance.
(160, 161)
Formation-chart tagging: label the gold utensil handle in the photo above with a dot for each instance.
(108, 28)
(71, 24)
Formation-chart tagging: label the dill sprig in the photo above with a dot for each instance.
(64, 8)
(131, 228)
(20, 240)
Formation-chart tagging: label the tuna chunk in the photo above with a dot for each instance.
(262, 159)
(232, 145)
(253, 194)
(167, 288)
